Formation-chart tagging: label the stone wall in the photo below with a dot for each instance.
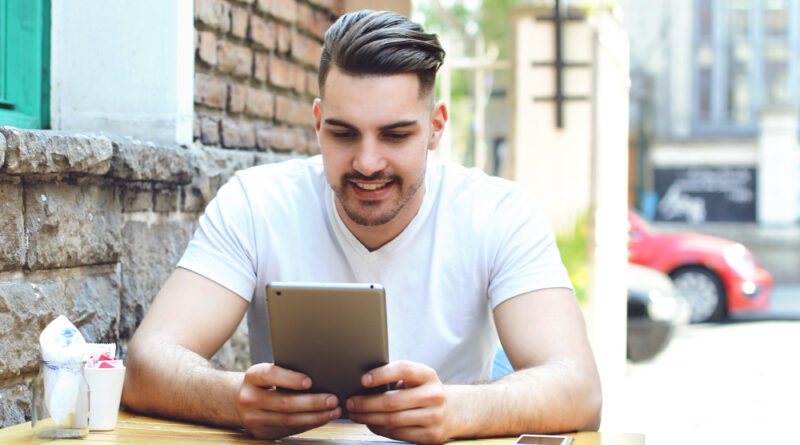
(90, 227)
(256, 72)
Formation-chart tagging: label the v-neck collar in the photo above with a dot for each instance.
(346, 236)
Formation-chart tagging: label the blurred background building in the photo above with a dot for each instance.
(715, 91)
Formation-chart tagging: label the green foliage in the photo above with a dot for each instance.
(460, 83)
(492, 18)
(573, 245)
(594, 6)
(457, 23)
(494, 21)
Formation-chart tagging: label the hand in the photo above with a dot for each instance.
(270, 413)
(415, 410)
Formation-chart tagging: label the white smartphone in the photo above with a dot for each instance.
(543, 439)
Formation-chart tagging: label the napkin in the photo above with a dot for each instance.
(61, 342)
(101, 355)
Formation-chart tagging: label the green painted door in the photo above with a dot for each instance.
(25, 63)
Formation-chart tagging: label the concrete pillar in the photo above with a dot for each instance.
(778, 168)
(607, 302)
(131, 76)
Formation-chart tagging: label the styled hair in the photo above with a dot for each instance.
(366, 42)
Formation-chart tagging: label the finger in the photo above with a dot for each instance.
(398, 400)
(266, 424)
(410, 434)
(422, 417)
(412, 374)
(287, 402)
(267, 374)
(300, 420)
(254, 397)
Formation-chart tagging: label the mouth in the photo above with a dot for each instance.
(371, 186)
(371, 190)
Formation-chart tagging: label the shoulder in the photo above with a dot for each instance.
(273, 186)
(305, 176)
(472, 185)
(299, 169)
(489, 202)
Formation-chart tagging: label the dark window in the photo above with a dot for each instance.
(775, 18)
(705, 18)
(746, 57)
(705, 94)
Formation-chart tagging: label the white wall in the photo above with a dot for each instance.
(123, 67)
(778, 178)
(582, 167)
(553, 164)
(704, 152)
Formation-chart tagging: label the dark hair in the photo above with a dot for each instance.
(367, 42)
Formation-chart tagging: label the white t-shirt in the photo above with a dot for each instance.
(475, 242)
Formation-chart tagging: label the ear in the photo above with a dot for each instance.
(438, 119)
(317, 110)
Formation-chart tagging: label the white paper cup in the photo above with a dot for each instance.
(105, 391)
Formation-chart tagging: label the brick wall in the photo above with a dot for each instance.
(256, 72)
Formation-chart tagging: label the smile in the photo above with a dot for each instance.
(370, 186)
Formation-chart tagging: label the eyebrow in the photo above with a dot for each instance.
(400, 124)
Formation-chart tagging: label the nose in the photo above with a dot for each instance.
(369, 158)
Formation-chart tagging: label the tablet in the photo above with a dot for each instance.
(332, 332)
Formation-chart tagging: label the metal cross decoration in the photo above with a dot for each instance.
(559, 64)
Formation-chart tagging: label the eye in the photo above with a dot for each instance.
(343, 134)
(396, 136)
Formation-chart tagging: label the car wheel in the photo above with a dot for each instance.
(704, 292)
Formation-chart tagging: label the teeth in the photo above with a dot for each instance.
(370, 186)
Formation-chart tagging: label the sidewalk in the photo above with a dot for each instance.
(731, 383)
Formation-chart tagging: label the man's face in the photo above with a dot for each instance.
(375, 132)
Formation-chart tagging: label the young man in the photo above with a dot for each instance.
(457, 251)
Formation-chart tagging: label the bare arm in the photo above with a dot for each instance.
(168, 370)
(556, 387)
(169, 373)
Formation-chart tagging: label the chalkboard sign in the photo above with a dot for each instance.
(698, 195)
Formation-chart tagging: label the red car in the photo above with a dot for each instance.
(717, 276)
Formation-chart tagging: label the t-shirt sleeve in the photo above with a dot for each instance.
(222, 249)
(526, 257)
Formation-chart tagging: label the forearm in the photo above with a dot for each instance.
(552, 398)
(171, 381)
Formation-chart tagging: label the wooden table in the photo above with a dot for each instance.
(135, 429)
